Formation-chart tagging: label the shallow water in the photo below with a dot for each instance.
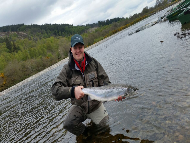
(160, 112)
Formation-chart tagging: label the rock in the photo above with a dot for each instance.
(180, 137)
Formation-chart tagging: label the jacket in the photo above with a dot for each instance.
(69, 77)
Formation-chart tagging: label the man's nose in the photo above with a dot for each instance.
(77, 49)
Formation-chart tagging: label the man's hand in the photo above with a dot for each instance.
(78, 92)
(119, 98)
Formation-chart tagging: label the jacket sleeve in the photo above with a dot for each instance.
(60, 89)
(103, 78)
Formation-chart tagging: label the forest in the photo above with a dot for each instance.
(28, 49)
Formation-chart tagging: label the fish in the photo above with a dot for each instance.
(109, 92)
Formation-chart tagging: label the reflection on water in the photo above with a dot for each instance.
(107, 137)
(104, 136)
(160, 112)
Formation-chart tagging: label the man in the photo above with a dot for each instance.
(81, 71)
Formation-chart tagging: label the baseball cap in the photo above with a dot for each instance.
(76, 39)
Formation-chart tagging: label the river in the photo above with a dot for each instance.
(153, 60)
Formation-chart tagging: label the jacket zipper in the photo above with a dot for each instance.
(87, 95)
(88, 107)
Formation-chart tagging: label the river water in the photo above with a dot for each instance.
(159, 113)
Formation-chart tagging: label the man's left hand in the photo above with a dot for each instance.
(120, 98)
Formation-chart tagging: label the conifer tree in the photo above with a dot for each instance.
(8, 44)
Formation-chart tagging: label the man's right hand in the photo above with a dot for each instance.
(78, 92)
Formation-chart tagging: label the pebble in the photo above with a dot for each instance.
(182, 35)
(180, 137)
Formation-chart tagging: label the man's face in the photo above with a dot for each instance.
(78, 51)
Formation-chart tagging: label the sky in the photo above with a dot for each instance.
(76, 12)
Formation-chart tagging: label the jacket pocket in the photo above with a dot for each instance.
(76, 81)
(91, 79)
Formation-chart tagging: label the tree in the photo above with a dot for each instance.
(8, 44)
(157, 2)
(15, 48)
(145, 10)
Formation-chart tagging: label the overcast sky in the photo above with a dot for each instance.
(76, 12)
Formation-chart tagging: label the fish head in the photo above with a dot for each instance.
(130, 91)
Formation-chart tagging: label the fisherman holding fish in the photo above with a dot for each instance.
(80, 72)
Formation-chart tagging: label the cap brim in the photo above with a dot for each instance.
(76, 43)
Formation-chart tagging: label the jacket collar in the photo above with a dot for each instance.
(71, 62)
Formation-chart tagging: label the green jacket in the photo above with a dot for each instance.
(93, 76)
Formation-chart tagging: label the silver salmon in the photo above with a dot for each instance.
(109, 92)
